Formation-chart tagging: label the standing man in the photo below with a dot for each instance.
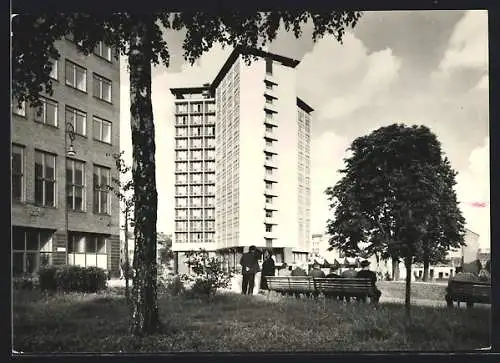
(249, 267)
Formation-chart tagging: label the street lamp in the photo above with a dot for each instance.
(69, 151)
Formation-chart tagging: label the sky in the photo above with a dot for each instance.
(413, 67)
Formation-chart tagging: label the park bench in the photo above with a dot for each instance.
(469, 292)
(291, 284)
(347, 287)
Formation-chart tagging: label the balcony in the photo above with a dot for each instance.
(272, 121)
(270, 177)
(270, 78)
(270, 93)
(272, 107)
(271, 163)
(270, 135)
(270, 149)
(270, 192)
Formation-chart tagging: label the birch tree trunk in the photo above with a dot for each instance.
(408, 262)
(145, 319)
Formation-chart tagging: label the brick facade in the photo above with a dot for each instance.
(33, 136)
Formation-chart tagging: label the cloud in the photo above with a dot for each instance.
(473, 186)
(344, 78)
(468, 45)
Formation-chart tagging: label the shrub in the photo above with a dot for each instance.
(208, 275)
(24, 283)
(73, 278)
(175, 287)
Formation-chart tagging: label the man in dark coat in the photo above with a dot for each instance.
(249, 267)
(333, 274)
(367, 274)
(268, 269)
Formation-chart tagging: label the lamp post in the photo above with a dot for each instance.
(68, 151)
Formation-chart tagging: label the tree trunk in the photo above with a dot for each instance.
(426, 269)
(395, 268)
(145, 318)
(408, 261)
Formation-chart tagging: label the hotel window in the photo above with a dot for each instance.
(102, 88)
(31, 249)
(181, 131)
(45, 179)
(21, 111)
(196, 107)
(209, 130)
(102, 50)
(196, 143)
(196, 178)
(210, 166)
(269, 213)
(209, 201)
(181, 108)
(210, 177)
(196, 237)
(102, 130)
(210, 154)
(210, 107)
(47, 113)
(196, 202)
(181, 190)
(54, 72)
(181, 226)
(209, 189)
(269, 116)
(269, 200)
(269, 227)
(87, 251)
(181, 167)
(269, 100)
(76, 76)
(210, 119)
(75, 176)
(181, 143)
(181, 202)
(181, 120)
(181, 214)
(196, 190)
(269, 85)
(196, 131)
(269, 143)
(17, 175)
(210, 237)
(181, 155)
(101, 192)
(210, 142)
(78, 119)
(196, 213)
(196, 166)
(209, 213)
(196, 155)
(181, 178)
(196, 120)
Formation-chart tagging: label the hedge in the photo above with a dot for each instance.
(72, 278)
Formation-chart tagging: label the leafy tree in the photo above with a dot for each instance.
(140, 38)
(395, 198)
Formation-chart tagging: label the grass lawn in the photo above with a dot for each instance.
(235, 323)
(419, 290)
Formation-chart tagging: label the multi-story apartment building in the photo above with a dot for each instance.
(261, 161)
(62, 210)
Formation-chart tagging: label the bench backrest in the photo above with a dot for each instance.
(469, 288)
(342, 284)
(290, 283)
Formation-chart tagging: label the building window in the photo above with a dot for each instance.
(102, 88)
(87, 251)
(76, 76)
(269, 227)
(102, 130)
(45, 179)
(17, 175)
(54, 72)
(269, 213)
(75, 176)
(102, 50)
(31, 249)
(181, 120)
(47, 113)
(101, 192)
(78, 119)
(21, 111)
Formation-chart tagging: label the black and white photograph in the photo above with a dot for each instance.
(250, 182)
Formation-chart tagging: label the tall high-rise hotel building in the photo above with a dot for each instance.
(242, 167)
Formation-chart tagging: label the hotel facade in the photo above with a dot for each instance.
(242, 165)
(62, 162)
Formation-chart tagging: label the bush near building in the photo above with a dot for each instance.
(72, 279)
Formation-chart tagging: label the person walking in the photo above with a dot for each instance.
(268, 269)
(249, 267)
(366, 273)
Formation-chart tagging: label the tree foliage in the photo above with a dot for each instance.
(396, 197)
(140, 38)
